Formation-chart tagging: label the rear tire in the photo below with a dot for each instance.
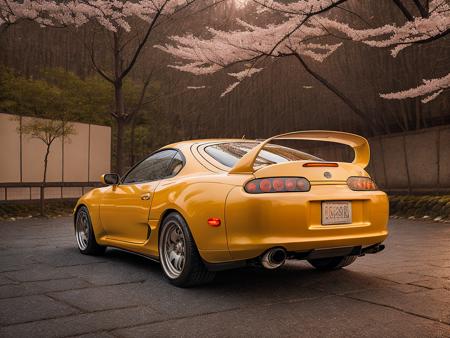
(84, 234)
(332, 263)
(179, 256)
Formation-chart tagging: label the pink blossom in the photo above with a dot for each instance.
(111, 14)
(430, 89)
(301, 23)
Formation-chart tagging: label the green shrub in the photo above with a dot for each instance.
(52, 208)
(419, 206)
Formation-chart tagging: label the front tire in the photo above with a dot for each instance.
(84, 233)
(333, 263)
(180, 259)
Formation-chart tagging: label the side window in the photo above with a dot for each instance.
(176, 165)
(152, 168)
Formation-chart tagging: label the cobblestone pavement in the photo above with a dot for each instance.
(47, 288)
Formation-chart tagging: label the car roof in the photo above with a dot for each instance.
(204, 141)
(187, 148)
(188, 144)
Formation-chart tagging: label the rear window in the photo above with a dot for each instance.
(229, 153)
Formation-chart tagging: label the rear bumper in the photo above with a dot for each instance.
(311, 254)
(339, 252)
(256, 223)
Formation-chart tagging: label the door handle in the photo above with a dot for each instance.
(145, 196)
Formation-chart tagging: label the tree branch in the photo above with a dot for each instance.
(94, 63)
(337, 92)
(423, 11)
(141, 98)
(142, 43)
(287, 36)
(430, 39)
(404, 10)
(355, 14)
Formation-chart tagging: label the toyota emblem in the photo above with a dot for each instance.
(327, 174)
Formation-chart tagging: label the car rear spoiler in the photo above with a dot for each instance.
(358, 143)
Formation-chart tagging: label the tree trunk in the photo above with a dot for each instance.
(121, 124)
(132, 141)
(44, 180)
(438, 154)
(119, 101)
(121, 120)
(408, 177)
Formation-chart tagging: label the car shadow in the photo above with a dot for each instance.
(294, 274)
(131, 259)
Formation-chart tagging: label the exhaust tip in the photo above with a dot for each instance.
(273, 258)
(373, 249)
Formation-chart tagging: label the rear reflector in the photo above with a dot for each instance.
(214, 222)
(277, 184)
(320, 164)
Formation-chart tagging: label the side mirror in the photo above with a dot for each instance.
(110, 179)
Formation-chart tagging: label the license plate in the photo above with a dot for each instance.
(336, 212)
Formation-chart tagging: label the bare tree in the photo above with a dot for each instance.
(46, 131)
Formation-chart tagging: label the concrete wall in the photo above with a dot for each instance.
(82, 157)
(417, 161)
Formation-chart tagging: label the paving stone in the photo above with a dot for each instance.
(237, 289)
(14, 262)
(82, 323)
(406, 288)
(5, 280)
(130, 269)
(441, 262)
(67, 256)
(102, 334)
(434, 283)
(349, 280)
(40, 287)
(101, 298)
(161, 296)
(340, 317)
(31, 308)
(38, 272)
(49, 289)
(430, 303)
(403, 277)
(436, 272)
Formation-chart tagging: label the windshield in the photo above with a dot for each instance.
(229, 153)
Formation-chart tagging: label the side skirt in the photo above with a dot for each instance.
(152, 258)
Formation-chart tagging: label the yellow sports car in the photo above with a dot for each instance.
(207, 205)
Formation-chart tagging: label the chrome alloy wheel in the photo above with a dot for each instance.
(82, 230)
(172, 250)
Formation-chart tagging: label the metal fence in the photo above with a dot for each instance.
(30, 191)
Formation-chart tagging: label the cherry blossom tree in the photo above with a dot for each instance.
(306, 30)
(251, 44)
(129, 24)
(432, 24)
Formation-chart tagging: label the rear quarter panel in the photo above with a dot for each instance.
(197, 199)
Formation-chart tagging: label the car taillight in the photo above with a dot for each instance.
(361, 183)
(277, 184)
